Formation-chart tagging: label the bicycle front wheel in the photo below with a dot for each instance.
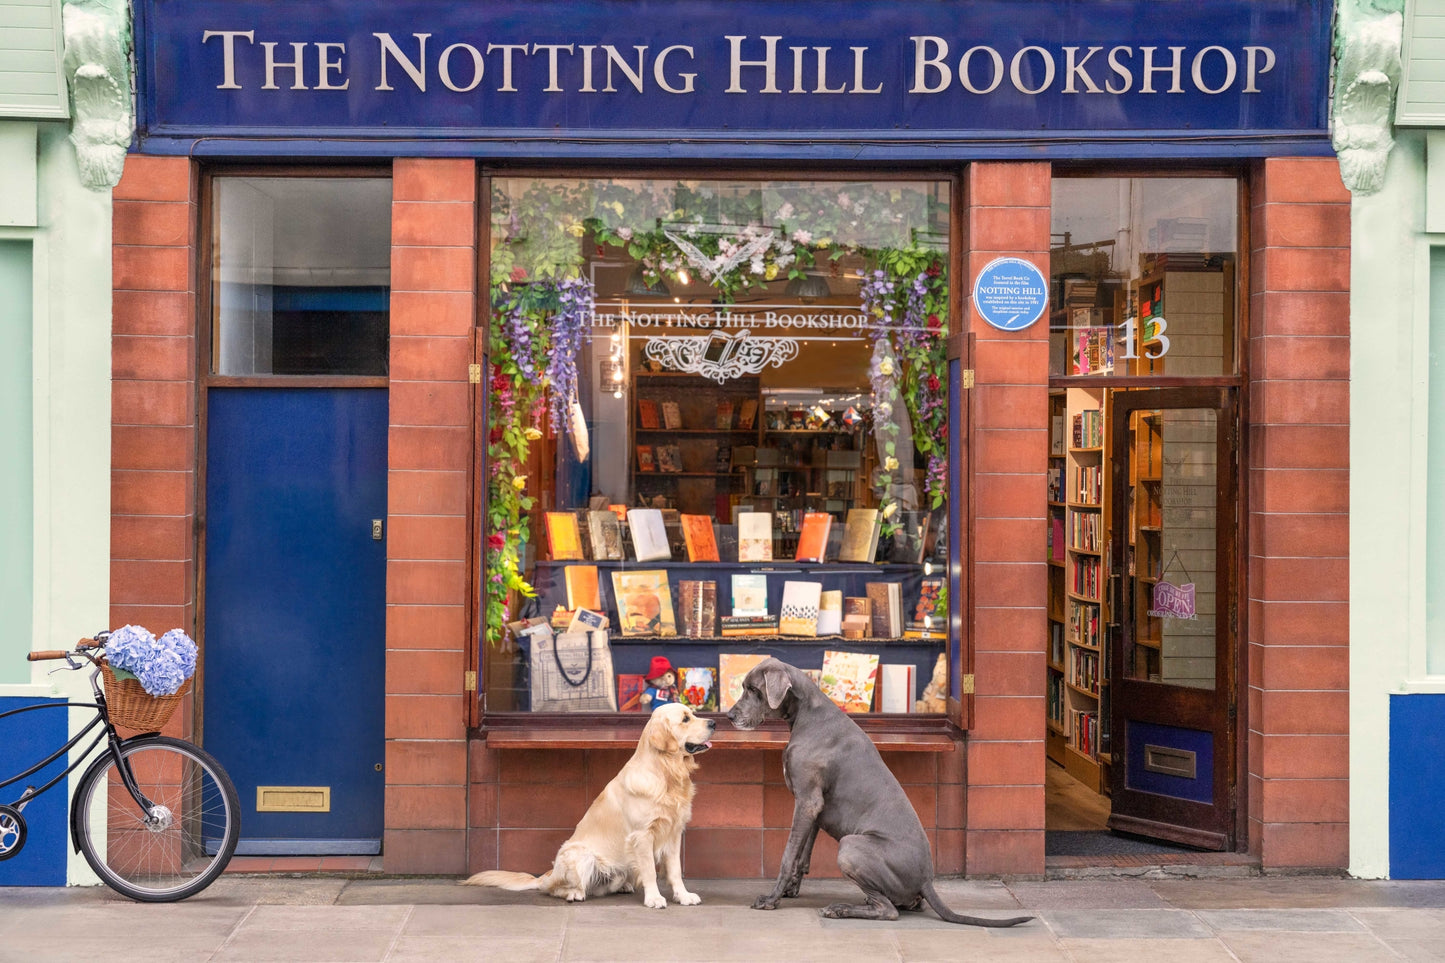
(176, 847)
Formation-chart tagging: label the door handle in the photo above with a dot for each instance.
(376, 528)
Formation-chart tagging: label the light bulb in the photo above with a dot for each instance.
(682, 276)
(617, 393)
(617, 375)
(928, 566)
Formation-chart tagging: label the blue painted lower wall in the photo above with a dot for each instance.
(1417, 786)
(25, 739)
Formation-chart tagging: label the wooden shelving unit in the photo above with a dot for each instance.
(1084, 576)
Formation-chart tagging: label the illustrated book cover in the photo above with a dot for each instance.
(698, 535)
(605, 529)
(799, 614)
(649, 535)
(849, 679)
(629, 692)
(860, 535)
(671, 415)
(669, 458)
(583, 591)
(697, 606)
(755, 537)
(697, 687)
(830, 612)
(813, 538)
(647, 414)
(732, 668)
(750, 594)
(645, 460)
(644, 602)
(564, 536)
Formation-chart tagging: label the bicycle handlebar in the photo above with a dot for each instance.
(45, 655)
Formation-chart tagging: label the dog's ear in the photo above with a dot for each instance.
(659, 734)
(776, 683)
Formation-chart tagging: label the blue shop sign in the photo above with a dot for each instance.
(1010, 293)
(734, 78)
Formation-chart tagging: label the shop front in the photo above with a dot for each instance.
(549, 363)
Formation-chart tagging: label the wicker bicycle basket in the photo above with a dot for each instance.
(132, 707)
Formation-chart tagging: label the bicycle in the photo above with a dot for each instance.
(156, 817)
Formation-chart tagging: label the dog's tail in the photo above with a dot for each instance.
(941, 908)
(516, 882)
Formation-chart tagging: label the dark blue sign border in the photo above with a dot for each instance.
(864, 80)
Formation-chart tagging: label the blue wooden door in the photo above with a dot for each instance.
(295, 612)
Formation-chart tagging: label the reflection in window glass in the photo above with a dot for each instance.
(301, 274)
(1143, 276)
(717, 417)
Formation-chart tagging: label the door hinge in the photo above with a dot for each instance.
(474, 373)
(967, 376)
(968, 684)
(469, 682)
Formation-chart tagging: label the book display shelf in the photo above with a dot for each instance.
(1144, 552)
(684, 430)
(1084, 667)
(1055, 738)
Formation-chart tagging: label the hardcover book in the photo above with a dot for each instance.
(698, 608)
(647, 414)
(564, 537)
(629, 692)
(732, 668)
(605, 529)
(697, 687)
(929, 610)
(725, 415)
(860, 535)
(813, 539)
(755, 537)
(645, 460)
(583, 591)
(830, 613)
(849, 679)
(644, 602)
(649, 535)
(887, 602)
(750, 594)
(799, 615)
(669, 458)
(748, 414)
(587, 620)
(697, 533)
(897, 685)
(735, 625)
(671, 415)
(858, 605)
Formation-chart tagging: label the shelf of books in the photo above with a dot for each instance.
(684, 431)
(710, 600)
(1143, 554)
(1055, 738)
(1084, 662)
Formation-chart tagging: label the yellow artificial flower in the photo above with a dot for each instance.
(520, 482)
(531, 434)
(886, 366)
(890, 463)
(889, 509)
(616, 207)
(770, 272)
(576, 229)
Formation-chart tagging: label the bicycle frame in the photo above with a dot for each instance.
(107, 734)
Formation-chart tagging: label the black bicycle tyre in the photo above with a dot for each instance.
(154, 848)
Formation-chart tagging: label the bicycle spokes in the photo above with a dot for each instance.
(12, 832)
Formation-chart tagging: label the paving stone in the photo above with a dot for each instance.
(1419, 950)
(315, 934)
(1265, 947)
(272, 890)
(1082, 894)
(957, 943)
(1282, 920)
(1408, 924)
(1294, 892)
(1133, 951)
(1126, 924)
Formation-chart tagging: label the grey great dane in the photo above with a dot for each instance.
(841, 785)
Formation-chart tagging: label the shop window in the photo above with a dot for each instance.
(301, 275)
(716, 419)
(1143, 277)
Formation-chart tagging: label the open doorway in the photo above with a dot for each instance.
(1142, 666)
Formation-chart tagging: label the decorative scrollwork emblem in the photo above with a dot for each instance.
(719, 355)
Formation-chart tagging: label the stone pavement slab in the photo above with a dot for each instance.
(325, 919)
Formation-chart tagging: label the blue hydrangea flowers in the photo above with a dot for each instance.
(161, 664)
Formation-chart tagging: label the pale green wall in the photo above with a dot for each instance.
(16, 460)
(1389, 361)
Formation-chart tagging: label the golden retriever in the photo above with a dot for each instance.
(633, 825)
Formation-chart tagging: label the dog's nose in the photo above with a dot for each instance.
(712, 723)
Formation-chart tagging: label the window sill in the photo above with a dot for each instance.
(935, 735)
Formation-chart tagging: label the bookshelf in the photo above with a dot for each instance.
(1144, 552)
(1055, 736)
(1180, 310)
(698, 478)
(1085, 511)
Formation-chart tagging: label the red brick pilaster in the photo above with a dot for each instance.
(153, 401)
(433, 312)
(1008, 215)
(1298, 553)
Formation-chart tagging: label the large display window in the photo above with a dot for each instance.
(716, 430)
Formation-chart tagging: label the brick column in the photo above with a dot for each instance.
(433, 313)
(1008, 215)
(1298, 554)
(153, 401)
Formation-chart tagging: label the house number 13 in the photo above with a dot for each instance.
(1155, 327)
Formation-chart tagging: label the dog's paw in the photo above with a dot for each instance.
(654, 901)
(835, 911)
(627, 888)
(765, 903)
(684, 898)
(575, 895)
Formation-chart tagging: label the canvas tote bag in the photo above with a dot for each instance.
(572, 672)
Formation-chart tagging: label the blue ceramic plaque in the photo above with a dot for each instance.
(1010, 293)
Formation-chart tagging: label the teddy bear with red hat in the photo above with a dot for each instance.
(661, 681)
